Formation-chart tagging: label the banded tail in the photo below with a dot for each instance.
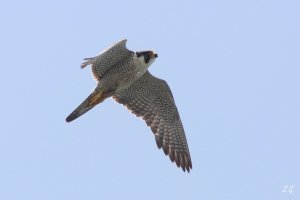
(92, 100)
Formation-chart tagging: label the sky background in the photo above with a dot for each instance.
(233, 67)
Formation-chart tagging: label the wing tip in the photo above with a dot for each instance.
(182, 160)
(88, 61)
(186, 167)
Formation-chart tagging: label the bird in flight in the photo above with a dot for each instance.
(123, 75)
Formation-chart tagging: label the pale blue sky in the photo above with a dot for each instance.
(233, 67)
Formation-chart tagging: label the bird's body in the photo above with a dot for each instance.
(123, 75)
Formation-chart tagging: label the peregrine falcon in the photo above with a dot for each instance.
(123, 75)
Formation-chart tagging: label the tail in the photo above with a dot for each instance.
(97, 96)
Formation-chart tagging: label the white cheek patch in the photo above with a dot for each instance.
(141, 66)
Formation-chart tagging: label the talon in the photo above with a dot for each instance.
(97, 98)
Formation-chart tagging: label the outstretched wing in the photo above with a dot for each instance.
(107, 58)
(151, 99)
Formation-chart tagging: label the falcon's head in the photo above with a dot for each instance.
(147, 57)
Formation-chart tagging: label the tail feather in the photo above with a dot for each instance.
(92, 100)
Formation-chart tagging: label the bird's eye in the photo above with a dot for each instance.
(147, 56)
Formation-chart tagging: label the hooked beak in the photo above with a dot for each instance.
(153, 54)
